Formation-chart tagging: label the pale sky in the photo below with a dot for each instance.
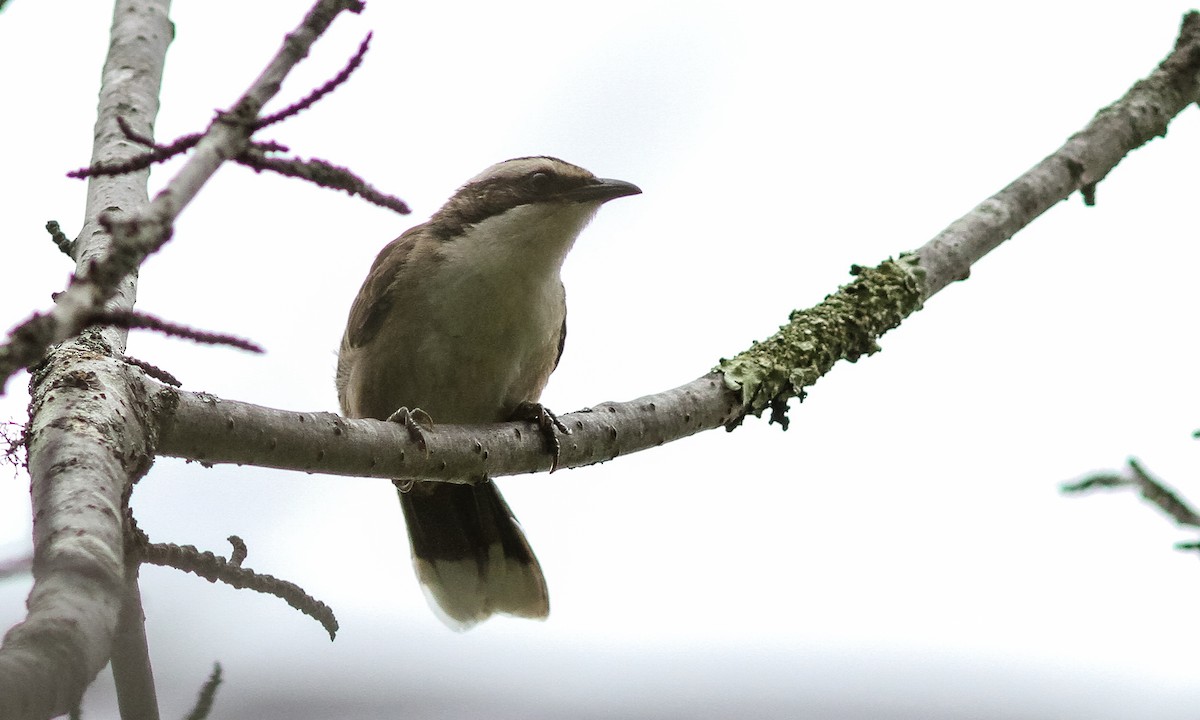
(901, 552)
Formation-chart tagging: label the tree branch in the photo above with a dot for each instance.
(1153, 490)
(89, 433)
(1141, 115)
(132, 672)
(844, 326)
(135, 235)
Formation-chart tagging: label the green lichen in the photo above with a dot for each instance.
(845, 325)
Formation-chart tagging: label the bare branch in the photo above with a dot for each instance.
(135, 235)
(320, 92)
(1080, 164)
(208, 429)
(158, 153)
(208, 694)
(324, 174)
(134, 320)
(764, 377)
(132, 672)
(154, 371)
(1152, 489)
(89, 433)
(214, 568)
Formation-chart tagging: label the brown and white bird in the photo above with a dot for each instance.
(464, 317)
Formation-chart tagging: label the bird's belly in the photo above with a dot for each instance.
(470, 356)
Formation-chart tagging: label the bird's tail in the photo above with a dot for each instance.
(471, 557)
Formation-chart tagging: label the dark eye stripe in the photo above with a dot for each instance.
(478, 201)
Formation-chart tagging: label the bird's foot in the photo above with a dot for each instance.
(415, 421)
(547, 423)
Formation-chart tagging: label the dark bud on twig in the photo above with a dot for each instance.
(60, 239)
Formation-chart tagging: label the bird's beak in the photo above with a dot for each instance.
(602, 189)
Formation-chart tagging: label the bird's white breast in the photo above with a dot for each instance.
(480, 335)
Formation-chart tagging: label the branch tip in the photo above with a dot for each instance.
(208, 693)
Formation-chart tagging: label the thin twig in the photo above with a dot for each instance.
(214, 568)
(137, 234)
(136, 136)
(324, 174)
(136, 320)
(320, 92)
(208, 694)
(154, 371)
(1151, 488)
(1155, 491)
(132, 672)
(158, 153)
(12, 435)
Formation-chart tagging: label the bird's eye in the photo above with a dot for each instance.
(539, 181)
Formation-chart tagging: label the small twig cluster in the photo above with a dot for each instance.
(1152, 489)
(257, 154)
(12, 436)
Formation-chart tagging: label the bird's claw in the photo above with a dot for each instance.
(547, 423)
(415, 421)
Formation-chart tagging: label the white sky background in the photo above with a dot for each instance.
(902, 551)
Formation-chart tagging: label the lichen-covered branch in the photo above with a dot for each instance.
(844, 326)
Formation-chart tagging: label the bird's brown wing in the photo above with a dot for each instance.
(374, 300)
(562, 334)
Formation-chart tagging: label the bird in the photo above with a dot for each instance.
(462, 319)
